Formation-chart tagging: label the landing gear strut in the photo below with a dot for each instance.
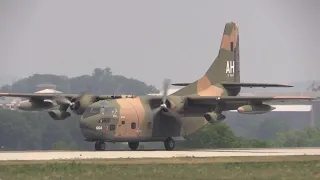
(133, 145)
(169, 144)
(100, 146)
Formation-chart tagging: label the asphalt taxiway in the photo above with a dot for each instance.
(55, 155)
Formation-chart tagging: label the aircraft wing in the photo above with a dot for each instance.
(42, 96)
(213, 100)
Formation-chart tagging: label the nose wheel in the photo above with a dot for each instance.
(100, 146)
(169, 144)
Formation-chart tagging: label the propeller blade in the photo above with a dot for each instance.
(166, 85)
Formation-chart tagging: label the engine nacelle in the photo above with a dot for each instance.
(213, 117)
(176, 103)
(59, 115)
(80, 105)
(35, 105)
(255, 109)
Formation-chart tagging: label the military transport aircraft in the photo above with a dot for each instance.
(150, 118)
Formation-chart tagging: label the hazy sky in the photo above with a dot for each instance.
(152, 40)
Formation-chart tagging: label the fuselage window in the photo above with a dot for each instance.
(112, 127)
(133, 125)
(105, 120)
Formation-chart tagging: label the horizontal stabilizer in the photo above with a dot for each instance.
(236, 84)
(180, 84)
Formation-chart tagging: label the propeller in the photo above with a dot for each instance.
(72, 104)
(163, 106)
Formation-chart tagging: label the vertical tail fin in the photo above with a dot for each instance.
(225, 68)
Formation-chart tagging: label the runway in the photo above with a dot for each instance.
(55, 155)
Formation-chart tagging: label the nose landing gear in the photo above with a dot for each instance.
(100, 146)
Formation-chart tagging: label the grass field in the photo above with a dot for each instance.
(240, 168)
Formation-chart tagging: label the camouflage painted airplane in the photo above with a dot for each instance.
(162, 118)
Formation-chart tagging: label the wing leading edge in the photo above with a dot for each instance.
(43, 96)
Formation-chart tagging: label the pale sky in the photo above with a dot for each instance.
(153, 40)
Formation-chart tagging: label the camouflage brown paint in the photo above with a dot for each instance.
(127, 114)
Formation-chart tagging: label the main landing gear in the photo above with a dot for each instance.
(169, 144)
(100, 146)
(133, 145)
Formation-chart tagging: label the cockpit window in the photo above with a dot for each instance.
(111, 111)
(105, 111)
(101, 110)
(91, 111)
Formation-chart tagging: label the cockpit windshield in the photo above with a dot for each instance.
(91, 111)
(105, 111)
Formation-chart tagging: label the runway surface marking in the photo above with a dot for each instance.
(54, 155)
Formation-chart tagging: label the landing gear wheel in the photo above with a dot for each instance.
(100, 146)
(169, 144)
(133, 145)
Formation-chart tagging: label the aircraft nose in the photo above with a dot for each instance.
(88, 127)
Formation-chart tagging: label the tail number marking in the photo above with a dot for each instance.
(230, 68)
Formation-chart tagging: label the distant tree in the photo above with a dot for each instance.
(245, 125)
(269, 128)
(220, 136)
(212, 136)
(100, 82)
(308, 137)
(60, 145)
